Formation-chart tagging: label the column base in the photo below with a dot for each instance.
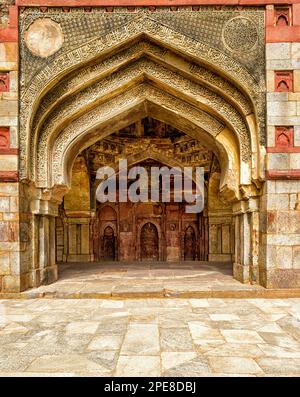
(241, 273)
(45, 276)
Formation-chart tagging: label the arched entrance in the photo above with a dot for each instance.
(108, 243)
(190, 248)
(160, 80)
(149, 244)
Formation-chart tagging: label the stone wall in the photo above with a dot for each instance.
(10, 279)
(280, 211)
(275, 260)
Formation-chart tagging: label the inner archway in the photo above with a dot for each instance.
(109, 251)
(149, 242)
(190, 244)
(74, 118)
(145, 231)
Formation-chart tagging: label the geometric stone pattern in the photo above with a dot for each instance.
(157, 337)
(212, 26)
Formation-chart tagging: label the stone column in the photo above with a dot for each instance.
(245, 264)
(39, 252)
(47, 256)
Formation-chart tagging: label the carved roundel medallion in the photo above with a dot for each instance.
(44, 37)
(240, 34)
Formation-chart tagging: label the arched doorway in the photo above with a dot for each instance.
(175, 81)
(109, 244)
(104, 234)
(190, 247)
(149, 242)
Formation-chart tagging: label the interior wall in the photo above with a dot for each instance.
(82, 231)
(73, 224)
(221, 226)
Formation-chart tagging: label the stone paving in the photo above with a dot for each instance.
(150, 337)
(155, 280)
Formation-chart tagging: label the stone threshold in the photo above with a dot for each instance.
(163, 294)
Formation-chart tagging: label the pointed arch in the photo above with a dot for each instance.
(201, 63)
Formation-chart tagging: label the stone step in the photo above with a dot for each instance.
(159, 293)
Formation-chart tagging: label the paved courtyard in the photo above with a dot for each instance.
(155, 279)
(150, 337)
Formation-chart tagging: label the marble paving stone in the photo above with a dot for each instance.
(205, 345)
(14, 361)
(13, 328)
(275, 328)
(20, 318)
(241, 336)
(196, 367)
(281, 340)
(199, 302)
(66, 363)
(140, 318)
(88, 337)
(224, 317)
(173, 359)
(112, 328)
(175, 339)
(38, 374)
(291, 326)
(82, 327)
(278, 351)
(237, 365)
(107, 359)
(238, 350)
(111, 304)
(200, 331)
(138, 366)
(105, 342)
(280, 366)
(141, 339)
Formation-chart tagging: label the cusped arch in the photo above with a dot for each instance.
(140, 28)
(203, 128)
(172, 83)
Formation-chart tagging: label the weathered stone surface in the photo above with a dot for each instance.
(36, 340)
(44, 37)
(52, 134)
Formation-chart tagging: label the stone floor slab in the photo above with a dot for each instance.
(188, 337)
(234, 365)
(141, 339)
(241, 336)
(141, 366)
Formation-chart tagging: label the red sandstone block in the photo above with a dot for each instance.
(4, 138)
(270, 15)
(9, 35)
(13, 16)
(283, 81)
(282, 34)
(148, 2)
(4, 82)
(9, 176)
(284, 141)
(296, 14)
(283, 174)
